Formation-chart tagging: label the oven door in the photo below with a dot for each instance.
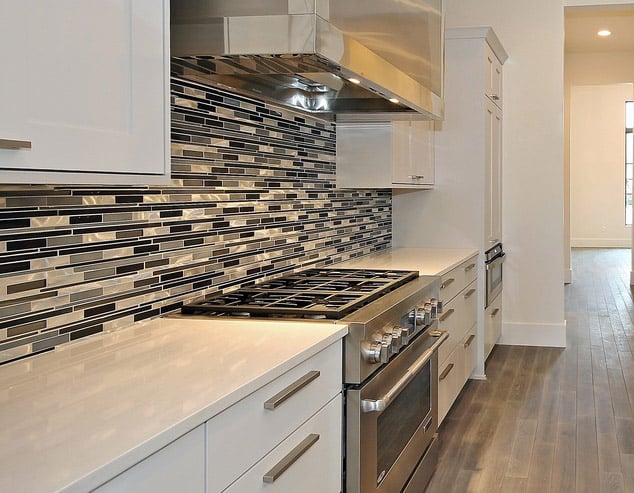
(494, 277)
(392, 419)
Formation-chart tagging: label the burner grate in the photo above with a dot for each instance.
(313, 293)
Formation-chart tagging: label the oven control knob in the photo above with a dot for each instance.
(397, 339)
(372, 351)
(437, 304)
(423, 314)
(405, 335)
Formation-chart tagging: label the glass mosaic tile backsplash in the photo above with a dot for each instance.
(252, 196)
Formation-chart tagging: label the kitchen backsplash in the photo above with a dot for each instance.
(252, 196)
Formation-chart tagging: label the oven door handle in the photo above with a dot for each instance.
(497, 260)
(379, 405)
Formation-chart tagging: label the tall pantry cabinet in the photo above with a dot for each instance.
(464, 210)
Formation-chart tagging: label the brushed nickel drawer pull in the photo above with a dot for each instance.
(15, 144)
(446, 315)
(495, 312)
(446, 372)
(469, 341)
(469, 293)
(289, 459)
(447, 283)
(469, 267)
(292, 389)
(494, 97)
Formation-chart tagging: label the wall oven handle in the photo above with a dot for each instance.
(497, 260)
(379, 405)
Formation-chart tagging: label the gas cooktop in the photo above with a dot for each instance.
(313, 293)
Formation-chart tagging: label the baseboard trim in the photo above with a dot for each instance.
(600, 242)
(530, 334)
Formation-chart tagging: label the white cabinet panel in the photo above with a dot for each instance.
(88, 87)
(312, 455)
(180, 466)
(493, 160)
(492, 325)
(399, 154)
(493, 77)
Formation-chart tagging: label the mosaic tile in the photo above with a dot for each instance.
(252, 196)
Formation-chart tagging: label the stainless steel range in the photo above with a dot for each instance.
(390, 362)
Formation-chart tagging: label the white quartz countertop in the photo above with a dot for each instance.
(427, 261)
(74, 418)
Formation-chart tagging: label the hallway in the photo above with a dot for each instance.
(553, 419)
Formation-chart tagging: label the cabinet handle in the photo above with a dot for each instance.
(15, 144)
(495, 240)
(292, 389)
(446, 372)
(495, 312)
(416, 177)
(469, 341)
(446, 315)
(494, 97)
(469, 267)
(469, 293)
(447, 283)
(289, 459)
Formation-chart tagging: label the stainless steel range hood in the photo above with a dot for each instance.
(356, 59)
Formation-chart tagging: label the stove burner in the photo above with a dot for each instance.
(313, 293)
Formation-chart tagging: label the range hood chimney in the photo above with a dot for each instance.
(360, 60)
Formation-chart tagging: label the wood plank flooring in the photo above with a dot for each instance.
(553, 419)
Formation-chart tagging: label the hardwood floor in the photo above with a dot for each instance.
(548, 419)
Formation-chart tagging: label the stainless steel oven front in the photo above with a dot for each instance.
(494, 259)
(392, 421)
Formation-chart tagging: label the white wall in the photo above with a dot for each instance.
(597, 169)
(532, 34)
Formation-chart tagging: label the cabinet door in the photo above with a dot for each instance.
(178, 467)
(85, 83)
(413, 153)
(493, 77)
(493, 163)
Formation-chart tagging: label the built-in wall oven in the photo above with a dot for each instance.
(494, 260)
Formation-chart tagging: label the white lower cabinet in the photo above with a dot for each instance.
(457, 355)
(263, 427)
(492, 325)
(308, 461)
(180, 466)
(454, 372)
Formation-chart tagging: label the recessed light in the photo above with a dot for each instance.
(354, 81)
(393, 100)
(604, 32)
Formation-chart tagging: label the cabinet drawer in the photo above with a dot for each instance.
(457, 318)
(241, 435)
(455, 371)
(457, 279)
(492, 325)
(308, 461)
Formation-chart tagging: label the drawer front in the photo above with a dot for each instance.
(455, 371)
(470, 352)
(457, 279)
(240, 436)
(449, 375)
(457, 318)
(308, 461)
(492, 325)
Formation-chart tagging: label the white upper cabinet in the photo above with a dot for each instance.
(493, 161)
(493, 77)
(84, 91)
(397, 154)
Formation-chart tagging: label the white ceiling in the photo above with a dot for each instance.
(581, 26)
